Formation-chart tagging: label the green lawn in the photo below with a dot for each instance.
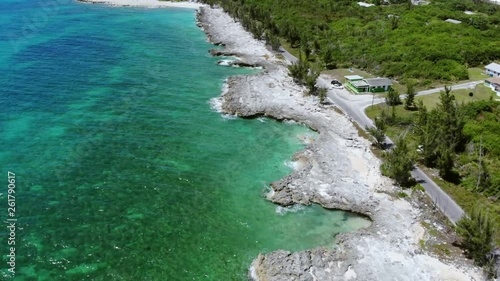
(476, 73)
(481, 92)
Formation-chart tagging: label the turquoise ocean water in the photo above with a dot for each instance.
(123, 171)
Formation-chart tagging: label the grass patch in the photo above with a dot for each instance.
(476, 73)
(468, 199)
(481, 92)
(402, 194)
(421, 242)
(441, 249)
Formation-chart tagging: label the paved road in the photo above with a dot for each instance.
(289, 57)
(354, 106)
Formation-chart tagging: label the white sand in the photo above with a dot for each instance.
(148, 3)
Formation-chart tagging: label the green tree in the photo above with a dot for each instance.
(378, 132)
(273, 41)
(302, 75)
(299, 71)
(394, 22)
(322, 95)
(399, 162)
(410, 95)
(392, 97)
(477, 232)
(445, 162)
(483, 177)
(310, 82)
(328, 59)
(306, 48)
(449, 126)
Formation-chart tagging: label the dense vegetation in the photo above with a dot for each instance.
(461, 141)
(477, 232)
(397, 40)
(399, 162)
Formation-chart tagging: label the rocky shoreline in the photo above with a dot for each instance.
(147, 3)
(340, 172)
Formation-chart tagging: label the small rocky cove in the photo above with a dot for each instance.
(338, 172)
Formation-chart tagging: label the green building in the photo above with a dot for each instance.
(357, 84)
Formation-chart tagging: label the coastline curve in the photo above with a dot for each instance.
(340, 172)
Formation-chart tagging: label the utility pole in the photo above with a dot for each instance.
(373, 96)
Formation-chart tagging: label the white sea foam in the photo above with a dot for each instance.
(253, 273)
(225, 62)
(292, 164)
(292, 209)
(149, 3)
(262, 119)
(289, 121)
(216, 104)
(228, 116)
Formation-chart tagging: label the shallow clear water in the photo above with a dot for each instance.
(123, 170)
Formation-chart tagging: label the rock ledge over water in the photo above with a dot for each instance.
(340, 172)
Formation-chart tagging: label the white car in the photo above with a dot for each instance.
(337, 86)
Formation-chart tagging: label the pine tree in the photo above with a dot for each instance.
(477, 232)
(410, 95)
(378, 132)
(322, 95)
(392, 97)
(449, 126)
(399, 163)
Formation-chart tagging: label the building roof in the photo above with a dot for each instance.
(469, 13)
(363, 4)
(377, 82)
(353, 77)
(493, 80)
(453, 21)
(359, 84)
(493, 66)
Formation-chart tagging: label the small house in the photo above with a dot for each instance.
(364, 4)
(376, 85)
(493, 83)
(493, 69)
(357, 84)
(453, 21)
